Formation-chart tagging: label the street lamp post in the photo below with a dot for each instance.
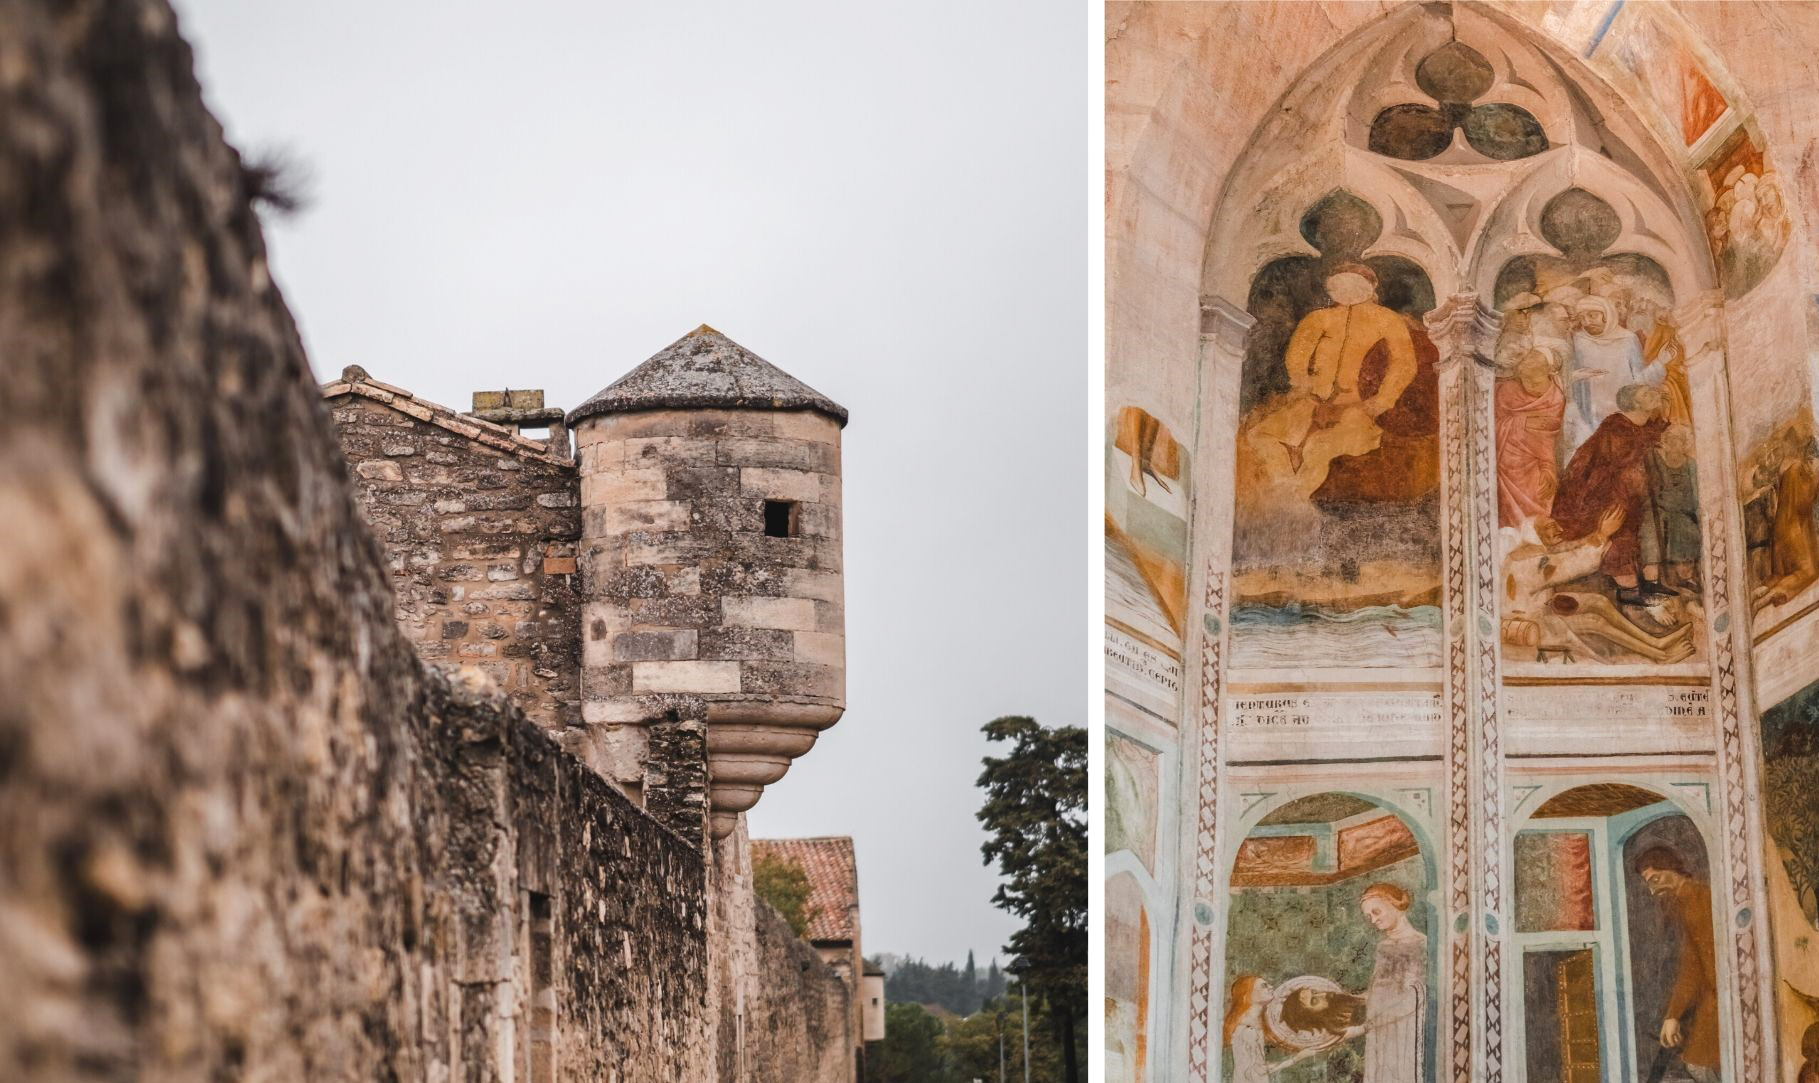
(1026, 1026)
(1023, 993)
(1001, 1044)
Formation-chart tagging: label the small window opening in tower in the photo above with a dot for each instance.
(543, 991)
(780, 518)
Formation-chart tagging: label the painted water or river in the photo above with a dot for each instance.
(1374, 637)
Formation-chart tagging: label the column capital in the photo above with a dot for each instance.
(1225, 323)
(1462, 326)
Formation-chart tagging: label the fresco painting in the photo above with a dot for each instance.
(1455, 76)
(1651, 52)
(1127, 979)
(1131, 777)
(1627, 231)
(1146, 509)
(1614, 926)
(1598, 504)
(1328, 954)
(1790, 815)
(1335, 551)
(1746, 220)
(1779, 488)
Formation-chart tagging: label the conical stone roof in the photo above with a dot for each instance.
(705, 369)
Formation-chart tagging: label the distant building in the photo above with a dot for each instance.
(871, 1009)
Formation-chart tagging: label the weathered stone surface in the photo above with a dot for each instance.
(517, 527)
(775, 997)
(704, 591)
(244, 834)
(796, 1024)
(705, 369)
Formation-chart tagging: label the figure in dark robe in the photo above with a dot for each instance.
(1610, 471)
(1670, 537)
(1690, 1022)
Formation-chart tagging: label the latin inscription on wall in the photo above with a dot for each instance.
(1335, 725)
(1142, 673)
(1579, 720)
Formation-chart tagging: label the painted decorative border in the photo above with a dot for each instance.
(1487, 641)
(1702, 319)
(1206, 851)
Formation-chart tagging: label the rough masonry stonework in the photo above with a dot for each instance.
(246, 831)
(479, 540)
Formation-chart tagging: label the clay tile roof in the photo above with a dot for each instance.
(833, 881)
(704, 368)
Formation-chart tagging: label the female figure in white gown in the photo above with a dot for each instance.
(1395, 1003)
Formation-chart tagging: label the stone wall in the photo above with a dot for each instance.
(780, 1011)
(243, 832)
(797, 1021)
(479, 539)
(627, 908)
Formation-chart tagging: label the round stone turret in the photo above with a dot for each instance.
(710, 545)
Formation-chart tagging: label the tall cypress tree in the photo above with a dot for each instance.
(1035, 816)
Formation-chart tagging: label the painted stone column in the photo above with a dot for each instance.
(1223, 327)
(1465, 333)
(1741, 914)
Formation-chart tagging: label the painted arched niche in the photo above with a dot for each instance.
(1127, 978)
(1443, 154)
(1614, 936)
(1329, 959)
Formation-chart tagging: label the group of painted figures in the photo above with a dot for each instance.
(1307, 1016)
(1310, 1015)
(1598, 500)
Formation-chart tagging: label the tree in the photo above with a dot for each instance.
(782, 883)
(994, 982)
(972, 1045)
(913, 1049)
(913, 981)
(1035, 812)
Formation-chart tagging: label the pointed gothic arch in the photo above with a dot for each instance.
(1461, 215)
(1445, 211)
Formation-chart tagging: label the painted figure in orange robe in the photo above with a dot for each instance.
(1287, 444)
(1530, 408)
(1795, 554)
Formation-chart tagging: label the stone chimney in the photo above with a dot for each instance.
(711, 565)
(520, 410)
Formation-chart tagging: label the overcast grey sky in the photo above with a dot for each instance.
(885, 200)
